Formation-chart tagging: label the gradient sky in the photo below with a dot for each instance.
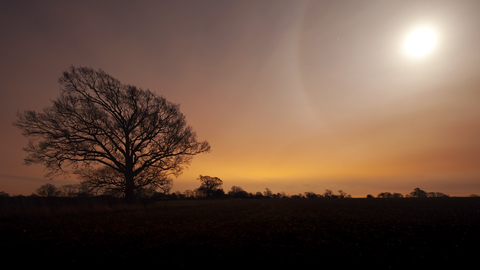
(293, 96)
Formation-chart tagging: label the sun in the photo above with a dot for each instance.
(420, 42)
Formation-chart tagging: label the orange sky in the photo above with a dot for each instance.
(295, 96)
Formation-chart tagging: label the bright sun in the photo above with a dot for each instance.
(420, 42)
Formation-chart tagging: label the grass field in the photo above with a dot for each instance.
(340, 233)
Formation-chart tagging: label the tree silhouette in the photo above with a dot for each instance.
(436, 195)
(397, 195)
(311, 195)
(418, 193)
(100, 124)
(48, 190)
(267, 193)
(342, 194)
(385, 195)
(209, 185)
(69, 190)
(237, 192)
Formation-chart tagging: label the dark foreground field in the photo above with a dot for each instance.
(340, 233)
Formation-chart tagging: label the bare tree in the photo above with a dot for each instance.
(343, 194)
(48, 190)
(235, 189)
(84, 190)
(328, 194)
(69, 190)
(101, 124)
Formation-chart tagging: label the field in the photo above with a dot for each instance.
(340, 233)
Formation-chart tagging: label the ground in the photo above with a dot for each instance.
(378, 233)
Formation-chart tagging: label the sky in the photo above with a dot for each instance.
(295, 96)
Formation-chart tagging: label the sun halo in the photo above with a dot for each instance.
(420, 42)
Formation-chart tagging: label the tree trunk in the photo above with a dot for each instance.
(129, 187)
(129, 183)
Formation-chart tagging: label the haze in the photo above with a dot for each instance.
(293, 96)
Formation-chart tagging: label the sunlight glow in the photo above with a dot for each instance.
(420, 42)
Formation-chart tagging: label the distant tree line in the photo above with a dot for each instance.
(210, 187)
(416, 193)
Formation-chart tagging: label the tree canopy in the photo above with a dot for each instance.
(210, 185)
(99, 125)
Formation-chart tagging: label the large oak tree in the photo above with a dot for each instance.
(98, 123)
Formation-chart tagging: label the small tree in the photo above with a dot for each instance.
(209, 185)
(436, 195)
(268, 193)
(397, 195)
(343, 194)
(84, 190)
(311, 195)
(385, 195)
(329, 194)
(48, 190)
(418, 193)
(297, 196)
(69, 190)
(237, 192)
(189, 193)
